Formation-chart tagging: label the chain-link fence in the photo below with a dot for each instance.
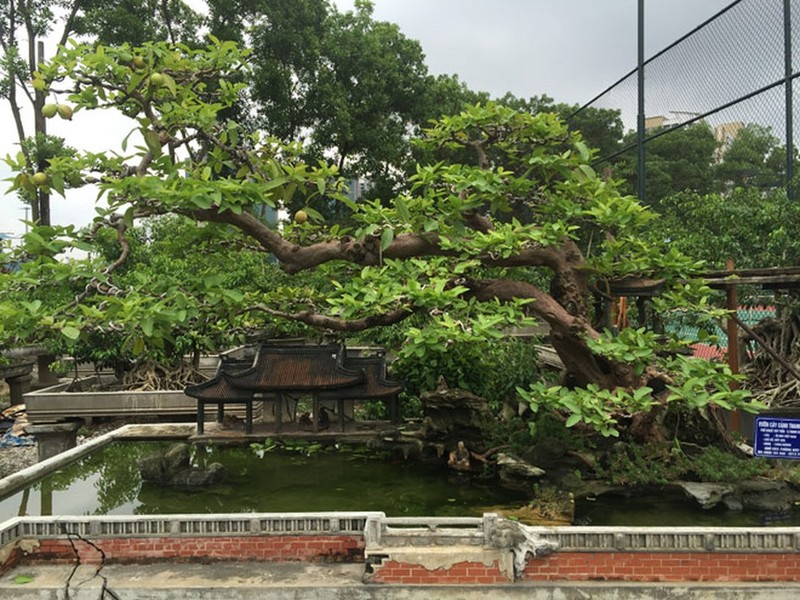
(732, 77)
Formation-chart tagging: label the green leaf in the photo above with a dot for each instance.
(147, 326)
(23, 579)
(169, 83)
(387, 235)
(402, 209)
(315, 215)
(573, 420)
(153, 142)
(70, 332)
(583, 150)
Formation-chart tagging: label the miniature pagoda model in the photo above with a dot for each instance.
(279, 373)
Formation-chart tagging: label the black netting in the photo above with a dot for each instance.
(727, 73)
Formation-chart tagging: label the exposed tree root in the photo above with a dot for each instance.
(770, 382)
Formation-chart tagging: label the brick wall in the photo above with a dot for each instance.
(309, 548)
(664, 566)
(468, 572)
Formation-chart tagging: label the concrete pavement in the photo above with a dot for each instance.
(303, 581)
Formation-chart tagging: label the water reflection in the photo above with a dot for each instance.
(108, 482)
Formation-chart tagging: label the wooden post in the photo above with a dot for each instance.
(732, 304)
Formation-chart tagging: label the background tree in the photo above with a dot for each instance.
(438, 251)
(601, 128)
(24, 24)
(680, 160)
(754, 228)
(754, 158)
(351, 88)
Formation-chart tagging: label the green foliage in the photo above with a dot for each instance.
(756, 229)
(697, 384)
(718, 465)
(489, 369)
(680, 160)
(483, 240)
(118, 22)
(700, 383)
(601, 128)
(593, 406)
(644, 464)
(660, 463)
(752, 159)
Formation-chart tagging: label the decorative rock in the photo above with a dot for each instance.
(516, 473)
(763, 495)
(707, 495)
(518, 467)
(521, 540)
(451, 415)
(174, 469)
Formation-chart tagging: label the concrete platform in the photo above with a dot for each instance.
(284, 581)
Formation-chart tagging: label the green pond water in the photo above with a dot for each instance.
(108, 483)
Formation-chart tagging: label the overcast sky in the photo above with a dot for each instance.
(568, 49)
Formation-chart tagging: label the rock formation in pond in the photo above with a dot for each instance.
(517, 473)
(761, 494)
(174, 469)
(454, 415)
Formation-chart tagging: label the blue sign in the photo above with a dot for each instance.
(777, 437)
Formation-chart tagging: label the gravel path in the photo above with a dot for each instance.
(16, 458)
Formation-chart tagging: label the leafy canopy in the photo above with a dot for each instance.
(509, 224)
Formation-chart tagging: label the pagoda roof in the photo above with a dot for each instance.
(296, 368)
(375, 383)
(218, 388)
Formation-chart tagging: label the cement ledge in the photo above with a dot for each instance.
(284, 581)
(444, 557)
(20, 479)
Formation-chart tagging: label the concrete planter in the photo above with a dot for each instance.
(54, 404)
(18, 377)
(19, 369)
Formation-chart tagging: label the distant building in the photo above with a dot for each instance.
(655, 122)
(725, 134)
(677, 117)
(356, 188)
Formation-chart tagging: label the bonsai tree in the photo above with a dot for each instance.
(509, 226)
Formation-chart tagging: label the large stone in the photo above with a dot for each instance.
(174, 469)
(453, 415)
(757, 494)
(516, 473)
(707, 495)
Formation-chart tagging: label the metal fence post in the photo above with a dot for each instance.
(640, 170)
(788, 85)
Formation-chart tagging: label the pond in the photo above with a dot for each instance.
(108, 482)
(671, 508)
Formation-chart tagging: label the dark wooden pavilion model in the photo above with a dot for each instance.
(278, 373)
